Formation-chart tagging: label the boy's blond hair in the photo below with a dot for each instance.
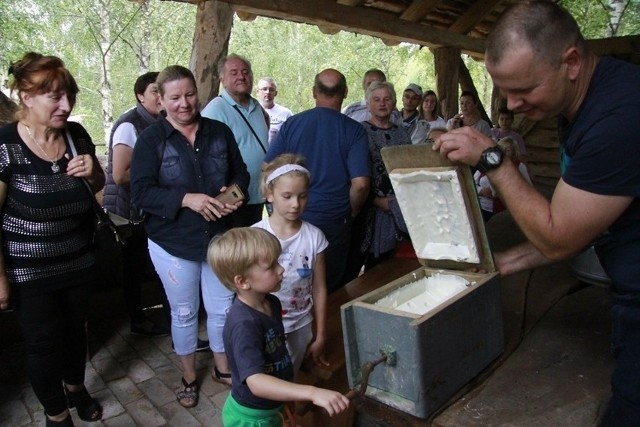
(237, 250)
(281, 160)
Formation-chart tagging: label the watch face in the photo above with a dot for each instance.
(493, 158)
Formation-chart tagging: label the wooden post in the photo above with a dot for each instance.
(446, 60)
(214, 21)
(466, 83)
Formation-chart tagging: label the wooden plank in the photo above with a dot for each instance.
(418, 10)
(615, 45)
(543, 155)
(546, 170)
(361, 20)
(473, 16)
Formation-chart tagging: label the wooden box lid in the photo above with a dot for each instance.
(440, 206)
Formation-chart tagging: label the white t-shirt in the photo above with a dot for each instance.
(437, 123)
(358, 111)
(298, 258)
(277, 116)
(482, 182)
(125, 134)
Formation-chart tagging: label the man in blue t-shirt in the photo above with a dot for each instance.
(336, 152)
(538, 58)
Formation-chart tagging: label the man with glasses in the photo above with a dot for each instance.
(267, 92)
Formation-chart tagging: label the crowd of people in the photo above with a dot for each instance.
(264, 278)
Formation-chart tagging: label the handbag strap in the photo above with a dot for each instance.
(235, 107)
(74, 153)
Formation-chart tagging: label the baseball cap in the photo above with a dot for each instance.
(414, 88)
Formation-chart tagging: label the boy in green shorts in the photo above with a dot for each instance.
(246, 262)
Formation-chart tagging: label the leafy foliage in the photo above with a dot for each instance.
(152, 35)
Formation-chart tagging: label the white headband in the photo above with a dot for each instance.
(286, 169)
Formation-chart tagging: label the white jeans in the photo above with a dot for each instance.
(182, 280)
(297, 343)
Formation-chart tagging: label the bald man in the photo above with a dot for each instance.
(337, 155)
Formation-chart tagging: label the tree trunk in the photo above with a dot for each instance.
(105, 76)
(446, 61)
(214, 21)
(616, 10)
(466, 83)
(144, 54)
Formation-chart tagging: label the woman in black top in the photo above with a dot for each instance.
(47, 263)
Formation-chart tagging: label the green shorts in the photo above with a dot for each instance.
(236, 415)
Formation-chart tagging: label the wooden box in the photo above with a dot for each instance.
(435, 343)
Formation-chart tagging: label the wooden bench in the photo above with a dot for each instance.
(334, 376)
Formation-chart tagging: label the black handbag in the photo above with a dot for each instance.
(109, 228)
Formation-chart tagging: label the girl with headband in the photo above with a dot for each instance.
(304, 291)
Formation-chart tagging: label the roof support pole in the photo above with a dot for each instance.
(446, 61)
(214, 21)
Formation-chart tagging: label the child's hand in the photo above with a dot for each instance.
(316, 352)
(331, 401)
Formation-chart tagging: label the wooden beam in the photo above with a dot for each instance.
(360, 20)
(446, 66)
(418, 10)
(466, 83)
(328, 29)
(626, 45)
(390, 43)
(214, 21)
(473, 15)
(350, 2)
(246, 17)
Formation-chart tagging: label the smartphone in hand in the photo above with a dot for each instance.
(231, 195)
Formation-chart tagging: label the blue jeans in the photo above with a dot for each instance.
(182, 280)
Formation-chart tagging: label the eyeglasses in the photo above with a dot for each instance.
(266, 89)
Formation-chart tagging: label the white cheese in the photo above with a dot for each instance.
(425, 294)
(433, 208)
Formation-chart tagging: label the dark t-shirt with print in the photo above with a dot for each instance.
(255, 343)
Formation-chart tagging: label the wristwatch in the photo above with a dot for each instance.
(491, 158)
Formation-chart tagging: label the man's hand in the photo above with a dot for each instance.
(463, 145)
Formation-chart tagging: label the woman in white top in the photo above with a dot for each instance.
(430, 110)
(469, 115)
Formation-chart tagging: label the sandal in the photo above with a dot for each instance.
(67, 422)
(222, 378)
(88, 408)
(188, 397)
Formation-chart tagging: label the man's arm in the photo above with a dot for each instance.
(557, 229)
(358, 193)
(563, 227)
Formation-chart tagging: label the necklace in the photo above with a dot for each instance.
(55, 167)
